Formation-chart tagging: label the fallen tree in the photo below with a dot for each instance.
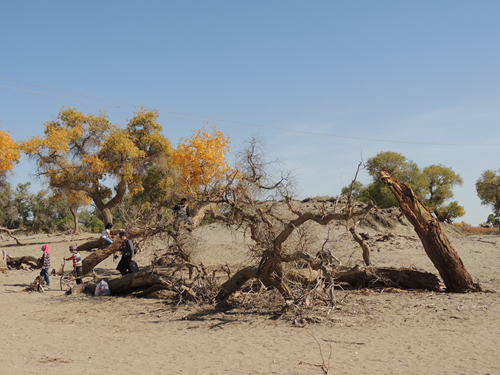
(24, 262)
(172, 228)
(405, 278)
(195, 287)
(270, 270)
(10, 233)
(251, 200)
(254, 201)
(436, 244)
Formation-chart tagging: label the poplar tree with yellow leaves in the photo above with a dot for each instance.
(202, 160)
(88, 154)
(10, 153)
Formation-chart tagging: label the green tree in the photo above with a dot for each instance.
(433, 185)
(401, 168)
(88, 154)
(449, 212)
(357, 190)
(488, 190)
(493, 220)
(440, 181)
(8, 211)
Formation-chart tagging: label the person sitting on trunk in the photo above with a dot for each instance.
(106, 236)
(182, 211)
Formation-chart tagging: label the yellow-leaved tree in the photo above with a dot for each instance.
(88, 154)
(202, 160)
(10, 153)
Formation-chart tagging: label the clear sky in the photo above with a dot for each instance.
(325, 83)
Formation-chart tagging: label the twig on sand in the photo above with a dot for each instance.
(62, 273)
(325, 366)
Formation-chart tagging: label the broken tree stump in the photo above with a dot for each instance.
(436, 244)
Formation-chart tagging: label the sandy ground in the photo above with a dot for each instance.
(370, 332)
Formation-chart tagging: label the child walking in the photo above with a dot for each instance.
(45, 265)
(77, 263)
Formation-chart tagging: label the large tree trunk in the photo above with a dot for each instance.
(107, 216)
(91, 245)
(105, 208)
(124, 284)
(75, 219)
(103, 252)
(436, 244)
(98, 256)
(389, 278)
(236, 282)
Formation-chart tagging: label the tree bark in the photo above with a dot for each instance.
(124, 284)
(389, 278)
(236, 282)
(436, 244)
(90, 245)
(105, 208)
(98, 256)
(24, 262)
(107, 216)
(75, 219)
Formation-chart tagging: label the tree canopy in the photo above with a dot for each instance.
(202, 160)
(89, 154)
(432, 184)
(10, 153)
(488, 190)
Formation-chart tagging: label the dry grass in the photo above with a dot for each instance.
(478, 231)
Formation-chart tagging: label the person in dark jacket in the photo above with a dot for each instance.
(127, 262)
(182, 212)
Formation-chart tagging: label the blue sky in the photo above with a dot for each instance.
(325, 83)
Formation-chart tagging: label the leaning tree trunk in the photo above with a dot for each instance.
(436, 244)
(98, 256)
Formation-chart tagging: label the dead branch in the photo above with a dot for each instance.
(10, 233)
(36, 286)
(24, 262)
(385, 277)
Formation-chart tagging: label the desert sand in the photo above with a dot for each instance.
(369, 332)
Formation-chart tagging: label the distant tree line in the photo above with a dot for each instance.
(98, 173)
